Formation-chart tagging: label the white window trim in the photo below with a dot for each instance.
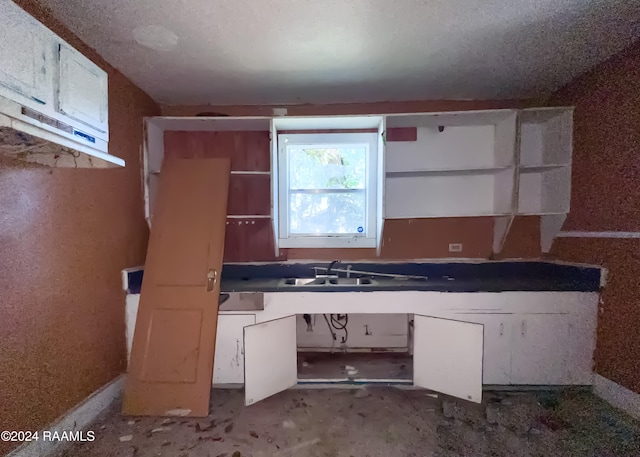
(369, 240)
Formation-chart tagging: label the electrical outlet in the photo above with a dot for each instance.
(455, 247)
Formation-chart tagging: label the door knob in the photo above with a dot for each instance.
(212, 277)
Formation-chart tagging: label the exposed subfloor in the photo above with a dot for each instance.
(371, 422)
(355, 365)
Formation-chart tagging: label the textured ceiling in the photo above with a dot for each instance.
(326, 51)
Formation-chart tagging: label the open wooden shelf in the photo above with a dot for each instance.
(537, 168)
(451, 171)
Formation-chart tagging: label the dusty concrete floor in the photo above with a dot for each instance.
(375, 422)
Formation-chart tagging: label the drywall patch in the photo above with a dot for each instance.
(155, 37)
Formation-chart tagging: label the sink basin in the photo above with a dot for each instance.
(299, 281)
(352, 281)
(328, 282)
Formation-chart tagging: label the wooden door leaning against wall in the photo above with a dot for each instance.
(174, 341)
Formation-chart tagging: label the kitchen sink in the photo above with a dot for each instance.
(300, 281)
(328, 282)
(352, 281)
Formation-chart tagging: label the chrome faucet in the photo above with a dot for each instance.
(328, 273)
(331, 265)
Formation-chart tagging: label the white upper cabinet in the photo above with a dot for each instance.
(52, 95)
(545, 161)
(459, 164)
(544, 168)
(83, 91)
(545, 137)
(26, 72)
(500, 163)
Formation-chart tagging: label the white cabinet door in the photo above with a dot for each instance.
(228, 363)
(447, 357)
(497, 346)
(26, 57)
(83, 92)
(270, 358)
(552, 349)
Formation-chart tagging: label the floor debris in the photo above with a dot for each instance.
(389, 422)
(361, 393)
(298, 447)
(205, 427)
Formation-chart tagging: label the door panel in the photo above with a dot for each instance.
(270, 358)
(174, 341)
(447, 357)
(83, 93)
(552, 349)
(182, 352)
(228, 367)
(497, 346)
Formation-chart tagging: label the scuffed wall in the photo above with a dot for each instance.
(65, 234)
(606, 197)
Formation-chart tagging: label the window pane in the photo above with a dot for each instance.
(332, 213)
(327, 166)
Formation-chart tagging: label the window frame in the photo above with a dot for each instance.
(366, 240)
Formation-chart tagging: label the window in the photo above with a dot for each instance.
(327, 189)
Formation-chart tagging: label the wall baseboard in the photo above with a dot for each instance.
(619, 396)
(75, 419)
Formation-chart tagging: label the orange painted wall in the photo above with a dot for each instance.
(606, 197)
(65, 234)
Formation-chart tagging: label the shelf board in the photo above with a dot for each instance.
(539, 213)
(538, 168)
(233, 172)
(451, 171)
(247, 172)
(249, 216)
(435, 216)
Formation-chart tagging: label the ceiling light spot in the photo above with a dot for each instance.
(155, 37)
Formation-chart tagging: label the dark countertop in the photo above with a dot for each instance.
(442, 277)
